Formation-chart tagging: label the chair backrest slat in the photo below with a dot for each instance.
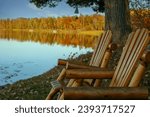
(114, 80)
(95, 50)
(104, 46)
(98, 55)
(128, 57)
(101, 39)
(136, 57)
(101, 47)
(132, 52)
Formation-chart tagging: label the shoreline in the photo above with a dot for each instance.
(38, 87)
(30, 88)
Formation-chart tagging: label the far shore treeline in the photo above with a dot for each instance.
(139, 19)
(93, 22)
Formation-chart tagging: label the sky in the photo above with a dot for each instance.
(23, 8)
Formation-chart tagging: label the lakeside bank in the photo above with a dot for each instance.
(38, 87)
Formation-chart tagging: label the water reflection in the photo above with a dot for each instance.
(50, 38)
(25, 54)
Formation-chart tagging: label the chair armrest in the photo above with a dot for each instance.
(89, 74)
(62, 62)
(79, 66)
(56, 87)
(111, 93)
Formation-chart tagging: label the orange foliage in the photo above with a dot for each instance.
(140, 18)
(95, 22)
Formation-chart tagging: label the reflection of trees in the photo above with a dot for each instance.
(49, 38)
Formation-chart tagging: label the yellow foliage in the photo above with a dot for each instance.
(140, 18)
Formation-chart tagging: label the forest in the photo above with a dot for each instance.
(139, 18)
(66, 22)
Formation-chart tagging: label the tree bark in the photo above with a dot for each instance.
(117, 19)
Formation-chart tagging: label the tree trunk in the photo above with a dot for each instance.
(117, 19)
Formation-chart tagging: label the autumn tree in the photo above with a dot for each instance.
(51, 23)
(140, 13)
(117, 16)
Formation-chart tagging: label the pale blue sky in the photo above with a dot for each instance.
(22, 8)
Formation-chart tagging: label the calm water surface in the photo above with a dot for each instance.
(23, 59)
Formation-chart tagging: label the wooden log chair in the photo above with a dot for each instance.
(125, 79)
(100, 57)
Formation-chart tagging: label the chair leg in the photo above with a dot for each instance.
(71, 81)
(138, 75)
(97, 83)
(61, 96)
(52, 93)
(59, 83)
(104, 64)
(62, 74)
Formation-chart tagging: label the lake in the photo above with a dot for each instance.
(26, 54)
